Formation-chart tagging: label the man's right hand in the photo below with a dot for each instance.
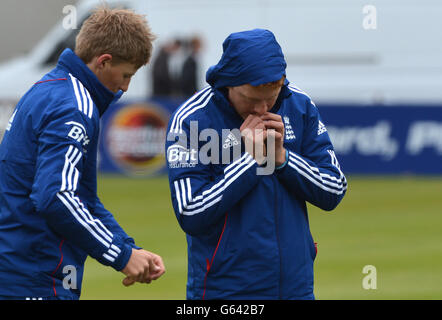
(253, 131)
(143, 266)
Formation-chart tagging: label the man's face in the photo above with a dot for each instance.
(116, 76)
(247, 99)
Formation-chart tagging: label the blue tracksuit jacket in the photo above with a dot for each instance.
(50, 215)
(248, 235)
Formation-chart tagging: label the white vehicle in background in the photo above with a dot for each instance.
(340, 52)
(331, 54)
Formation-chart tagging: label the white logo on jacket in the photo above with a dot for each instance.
(230, 141)
(78, 133)
(321, 128)
(289, 133)
(181, 157)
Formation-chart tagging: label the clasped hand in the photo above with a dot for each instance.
(255, 131)
(143, 267)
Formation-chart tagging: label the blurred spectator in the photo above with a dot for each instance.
(176, 61)
(189, 74)
(163, 83)
(175, 69)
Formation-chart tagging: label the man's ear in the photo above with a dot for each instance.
(103, 60)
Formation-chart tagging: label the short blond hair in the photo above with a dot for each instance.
(119, 32)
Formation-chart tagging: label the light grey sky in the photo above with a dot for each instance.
(24, 22)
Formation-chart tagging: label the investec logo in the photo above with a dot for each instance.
(181, 157)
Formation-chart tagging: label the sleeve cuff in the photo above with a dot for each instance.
(123, 258)
(285, 162)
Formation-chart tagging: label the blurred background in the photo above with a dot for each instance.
(374, 70)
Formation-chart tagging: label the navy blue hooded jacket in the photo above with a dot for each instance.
(248, 234)
(50, 215)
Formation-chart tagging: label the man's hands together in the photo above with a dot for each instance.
(254, 134)
(256, 130)
(143, 267)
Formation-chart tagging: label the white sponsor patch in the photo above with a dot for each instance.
(181, 157)
(78, 133)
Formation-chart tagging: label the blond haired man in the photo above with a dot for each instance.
(51, 218)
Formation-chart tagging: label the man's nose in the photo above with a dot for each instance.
(260, 108)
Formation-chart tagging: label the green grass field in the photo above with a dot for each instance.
(391, 223)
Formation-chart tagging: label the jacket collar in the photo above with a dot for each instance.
(101, 95)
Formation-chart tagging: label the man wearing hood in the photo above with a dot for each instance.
(248, 233)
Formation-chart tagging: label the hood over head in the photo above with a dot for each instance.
(253, 57)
